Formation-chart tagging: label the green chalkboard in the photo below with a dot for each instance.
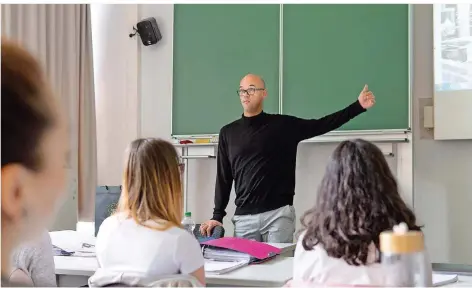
(331, 51)
(214, 47)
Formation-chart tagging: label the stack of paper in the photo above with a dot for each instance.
(225, 255)
(221, 267)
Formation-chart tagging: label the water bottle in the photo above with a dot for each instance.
(404, 258)
(188, 223)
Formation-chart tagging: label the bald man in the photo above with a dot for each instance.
(258, 152)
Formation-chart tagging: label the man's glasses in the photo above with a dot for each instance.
(249, 91)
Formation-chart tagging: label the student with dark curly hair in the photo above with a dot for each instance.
(358, 199)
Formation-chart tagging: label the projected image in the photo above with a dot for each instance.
(453, 46)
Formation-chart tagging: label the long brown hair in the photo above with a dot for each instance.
(27, 107)
(357, 200)
(152, 187)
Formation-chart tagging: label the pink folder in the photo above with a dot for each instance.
(255, 249)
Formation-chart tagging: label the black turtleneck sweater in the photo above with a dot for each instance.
(259, 153)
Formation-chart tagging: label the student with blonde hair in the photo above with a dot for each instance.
(144, 238)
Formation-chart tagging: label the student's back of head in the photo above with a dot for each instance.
(34, 150)
(151, 183)
(358, 199)
(143, 239)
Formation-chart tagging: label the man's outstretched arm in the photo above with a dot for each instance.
(308, 128)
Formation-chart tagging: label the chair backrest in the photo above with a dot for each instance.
(164, 283)
(176, 282)
(104, 278)
(218, 232)
(106, 200)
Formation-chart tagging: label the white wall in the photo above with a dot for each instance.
(116, 86)
(441, 170)
(156, 74)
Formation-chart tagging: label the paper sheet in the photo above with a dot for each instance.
(72, 243)
(443, 279)
(220, 267)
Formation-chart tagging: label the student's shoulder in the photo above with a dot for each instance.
(300, 249)
(114, 219)
(179, 238)
(300, 237)
(181, 235)
(111, 223)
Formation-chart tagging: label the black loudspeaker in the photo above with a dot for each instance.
(149, 31)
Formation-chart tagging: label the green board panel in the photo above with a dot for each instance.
(331, 51)
(214, 47)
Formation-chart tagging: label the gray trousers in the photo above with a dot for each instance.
(276, 226)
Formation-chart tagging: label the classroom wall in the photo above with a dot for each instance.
(437, 170)
(116, 62)
(156, 74)
(442, 169)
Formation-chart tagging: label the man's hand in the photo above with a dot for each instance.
(207, 227)
(366, 98)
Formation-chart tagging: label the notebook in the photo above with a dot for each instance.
(221, 267)
(234, 249)
(444, 279)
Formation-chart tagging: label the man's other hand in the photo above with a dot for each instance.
(207, 227)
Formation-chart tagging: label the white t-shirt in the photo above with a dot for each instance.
(124, 246)
(316, 266)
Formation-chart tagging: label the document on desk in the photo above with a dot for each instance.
(72, 243)
(84, 252)
(221, 267)
(444, 279)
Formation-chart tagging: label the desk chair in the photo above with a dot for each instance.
(119, 279)
(218, 232)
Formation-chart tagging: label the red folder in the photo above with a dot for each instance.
(261, 251)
